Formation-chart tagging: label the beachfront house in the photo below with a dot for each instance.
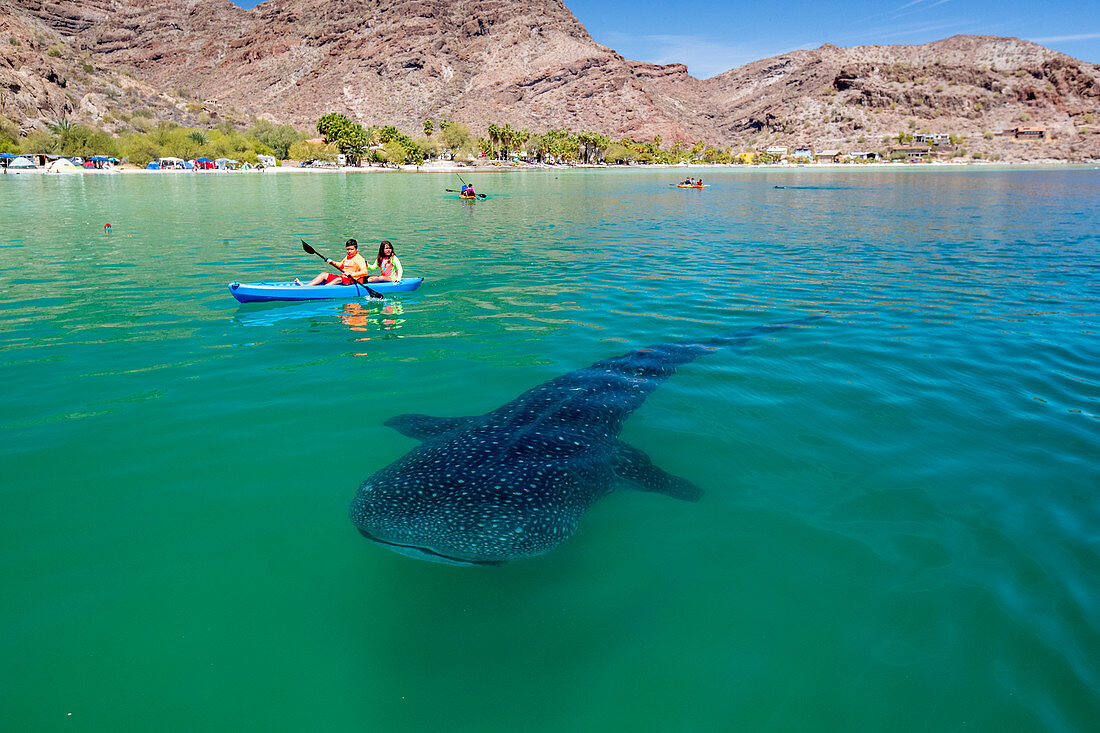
(828, 156)
(864, 155)
(934, 138)
(910, 153)
(779, 151)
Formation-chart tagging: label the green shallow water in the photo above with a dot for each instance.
(899, 530)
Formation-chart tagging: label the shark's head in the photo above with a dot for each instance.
(459, 518)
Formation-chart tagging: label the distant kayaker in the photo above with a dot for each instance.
(352, 266)
(386, 263)
(468, 191)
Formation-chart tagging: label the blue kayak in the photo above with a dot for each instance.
(260, 292)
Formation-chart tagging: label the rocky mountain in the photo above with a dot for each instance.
(525, 62)
(969, 86)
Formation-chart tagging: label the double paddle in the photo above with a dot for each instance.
(371, 293)
(451, 190)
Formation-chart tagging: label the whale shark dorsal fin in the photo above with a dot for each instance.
(422, 427)
(634, 466)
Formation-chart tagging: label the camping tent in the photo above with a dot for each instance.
(63, 165)
(22, 164)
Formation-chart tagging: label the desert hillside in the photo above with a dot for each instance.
(530, 64)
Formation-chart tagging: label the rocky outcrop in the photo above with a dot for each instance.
(972, 87)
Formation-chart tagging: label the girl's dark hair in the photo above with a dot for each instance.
(382, 249)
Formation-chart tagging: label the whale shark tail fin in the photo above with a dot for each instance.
(634, 466)
(422, 427)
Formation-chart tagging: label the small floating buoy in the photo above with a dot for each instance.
(107, 228)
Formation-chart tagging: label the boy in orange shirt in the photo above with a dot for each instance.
(353, 266)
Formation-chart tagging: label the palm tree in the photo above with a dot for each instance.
(200, 137)
(520, 138)
(60, 127)
(494, 138)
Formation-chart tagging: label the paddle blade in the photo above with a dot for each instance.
(307, 248)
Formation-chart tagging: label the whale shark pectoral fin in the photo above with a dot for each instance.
(633, 465)
(422, 427)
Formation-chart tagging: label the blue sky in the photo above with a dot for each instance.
(712, 36)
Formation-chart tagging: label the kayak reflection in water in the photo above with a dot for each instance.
(353, 266)
(357, 316)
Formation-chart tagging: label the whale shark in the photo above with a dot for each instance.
(514, 483)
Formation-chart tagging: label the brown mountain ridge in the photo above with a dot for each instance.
(530, 64)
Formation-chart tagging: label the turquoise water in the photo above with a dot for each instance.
(900, 524)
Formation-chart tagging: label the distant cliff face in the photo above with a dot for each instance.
(529, 63)
(970, 86)
(399, 62)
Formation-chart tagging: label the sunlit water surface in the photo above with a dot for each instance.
(900, 524)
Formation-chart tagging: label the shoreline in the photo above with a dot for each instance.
(447, 167)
